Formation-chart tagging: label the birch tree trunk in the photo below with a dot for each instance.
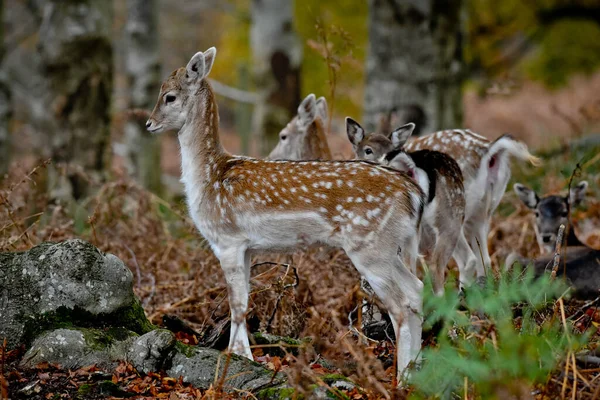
(77, 69)
(143, 73)
(5, 105)
(415, 62)
(277, 56)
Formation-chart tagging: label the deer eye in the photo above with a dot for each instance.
(368, 151)
(537, 214)
(169, 99)
(565, 214)
(283, 137)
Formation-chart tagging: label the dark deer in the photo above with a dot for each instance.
(582, 262)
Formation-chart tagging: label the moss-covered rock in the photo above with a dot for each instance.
(198, 366)
(285, 343)
(65, 285)
(73, 305)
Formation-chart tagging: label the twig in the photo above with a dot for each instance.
(234, 94)
(576, 172)
(152, 292)
(137, 266)
(557, 248)
(284, 287)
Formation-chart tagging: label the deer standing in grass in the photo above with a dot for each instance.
(304, 137)
(485, 166)
(439, 176)
(582, 262)
(243, 205)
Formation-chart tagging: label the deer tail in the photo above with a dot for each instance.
(506, 143)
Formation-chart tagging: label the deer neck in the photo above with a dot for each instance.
(201, 149)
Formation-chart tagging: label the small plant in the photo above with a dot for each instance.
(335, 46)
(499, 339)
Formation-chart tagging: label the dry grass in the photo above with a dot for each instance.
(175, 273)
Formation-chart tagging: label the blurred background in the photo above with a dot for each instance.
(76, 76)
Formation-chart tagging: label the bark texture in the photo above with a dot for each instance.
(5, 106)
(76, 69)
(415, 63)
(277, 55)
(143, 74)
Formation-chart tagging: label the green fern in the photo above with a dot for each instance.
(502, 332)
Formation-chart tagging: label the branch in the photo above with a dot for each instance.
(234, 94)
(559, 239)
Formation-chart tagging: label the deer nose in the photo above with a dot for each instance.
(148, 123)
(546, 238)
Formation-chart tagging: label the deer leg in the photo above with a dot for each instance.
(442, 255)
(401, 293)
(465, 259)
(410, 252)
(235, 263)
(476, 230)
(479, 244)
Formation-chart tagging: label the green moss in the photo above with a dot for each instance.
(291, 345)
(331, 378)
(278, 393)
(126, 319)
(185, 349)
(84, 389)
(101, 339)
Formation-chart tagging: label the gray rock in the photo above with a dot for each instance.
(64, 284)
(76, 348)
(198, 365)
(75, 307)
(149, 352)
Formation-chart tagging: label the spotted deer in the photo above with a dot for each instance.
(304, 136)
(485, 166)
(581, 263)
(244, 205)
(441, 235)
(551, 212)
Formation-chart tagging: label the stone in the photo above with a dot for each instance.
(198, 366)
(148, 352)
(73, 305)
(65, 284)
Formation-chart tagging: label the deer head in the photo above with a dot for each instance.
(177, 92)
(550, 212)
(304, 136)
(374, 146)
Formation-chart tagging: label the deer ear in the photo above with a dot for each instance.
(355, 132)
(200, 65)
(527, 196)
(577, 193)
(322, 109)
(209, 60)
(307, 111)
(401, 135)
(195, 68)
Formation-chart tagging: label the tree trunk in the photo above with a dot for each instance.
(415, 63)
(143, 73)
(5, 105)
(277, 55)
(76, 61)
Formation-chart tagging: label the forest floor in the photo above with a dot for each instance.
(176, 274)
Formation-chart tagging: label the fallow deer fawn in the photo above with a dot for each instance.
(304, 137)
(243, 205)
(439, 176)
(582, 262)
(550, 213)
(486, 172)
